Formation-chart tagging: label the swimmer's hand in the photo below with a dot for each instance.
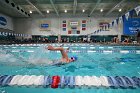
(50, 47)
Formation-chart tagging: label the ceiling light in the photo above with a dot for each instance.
(101, 10)
(83, 10)
(65, 11)
(120, 10)
(30, 11)
(48, 11)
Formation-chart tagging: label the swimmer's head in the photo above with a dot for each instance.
(74, 58)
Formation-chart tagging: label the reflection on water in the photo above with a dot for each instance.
(129, 59)
(88, 67)
(71, 68)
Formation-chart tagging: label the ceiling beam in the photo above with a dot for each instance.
(35, 8)
(114, 7)
(54, 7)
(74, 7)
(6, 7)
(94, 7)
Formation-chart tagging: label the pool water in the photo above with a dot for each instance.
(88, 63)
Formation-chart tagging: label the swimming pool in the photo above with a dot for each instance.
(93, 60)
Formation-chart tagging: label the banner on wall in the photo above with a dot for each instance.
(131, 26)
(3, 21)
(104, 26)
(64, 25)
(45, 25)
(6, 22)
(84, 25)
(73, 27)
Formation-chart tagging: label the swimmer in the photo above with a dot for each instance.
(65, 58)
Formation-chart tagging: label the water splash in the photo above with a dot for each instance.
(40, 57)
(7, 57)
(37, 60)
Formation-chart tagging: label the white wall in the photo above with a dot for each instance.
(9, 24)
(31, 26)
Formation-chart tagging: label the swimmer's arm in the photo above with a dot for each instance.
(61, 49)
(55, 48)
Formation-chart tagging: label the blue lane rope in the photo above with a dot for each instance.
(69, 81)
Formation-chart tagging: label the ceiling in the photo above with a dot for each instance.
(73, 7)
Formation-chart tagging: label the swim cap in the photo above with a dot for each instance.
(74, 58)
